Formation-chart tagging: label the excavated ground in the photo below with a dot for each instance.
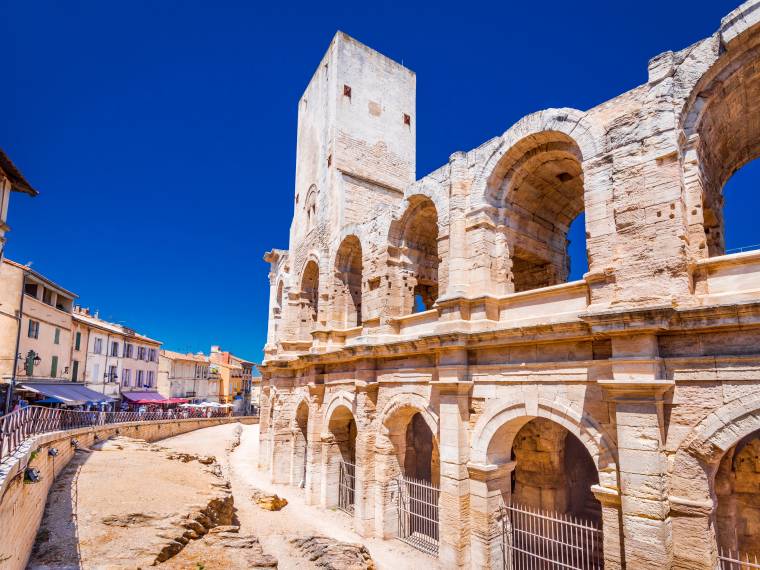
(186, 503)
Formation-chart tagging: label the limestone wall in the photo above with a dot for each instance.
(22, 504)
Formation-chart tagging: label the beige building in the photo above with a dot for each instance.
(235, 378)
(11, 180)
(112, 359)
(44, 351)
(185, 376)
(424, 340)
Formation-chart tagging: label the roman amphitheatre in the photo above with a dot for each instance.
(436, 392)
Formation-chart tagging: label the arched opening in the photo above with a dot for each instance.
(554, 471)
(347, 296)
(538, 186)
(309, 298)
(737, 489)
(340, 460)
(547, 495)
(300, 445)
(310, 207)
(418, 255)
(418, 455)
(415, 466)
(723, 126)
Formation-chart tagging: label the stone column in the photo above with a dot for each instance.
(386, 470)
(693, 534)
(330, 470)
(611, 530)
(490, 488)
(454, 448)
(364, 497)
(314, 440)
(460, 184)
(637, 391)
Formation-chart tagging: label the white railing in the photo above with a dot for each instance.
(347, 487)
(730, 560)
(534, 538)
(418, 514)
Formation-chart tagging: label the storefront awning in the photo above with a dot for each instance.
(67, 393)
(144, 397)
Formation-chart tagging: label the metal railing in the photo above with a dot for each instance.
(533, 538)
(730, 560)
(743, 249)
(17, 427)
(347, 487)
(418, 514)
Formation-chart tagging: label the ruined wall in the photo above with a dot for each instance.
(22, 504)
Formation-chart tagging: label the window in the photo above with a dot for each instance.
(126, 377)
(54, 367)
(75, 371)
(57, 336)
(78, 341)
(140, 353)
(34, 329)
(114, 348)
(96, 373)
(47, 296)
(31, 289)
(150, 379)
(152, 355)
(129, 351)
(112, 373)
(97, 345)
(140, 378)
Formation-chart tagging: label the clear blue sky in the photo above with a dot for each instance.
(161, 135)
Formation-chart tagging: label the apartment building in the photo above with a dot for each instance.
(44, 339)
(185, 376)
(235, 377)
(113, 359)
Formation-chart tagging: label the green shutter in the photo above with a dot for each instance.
(54, 367)
(75, 370)
(78, 340)
(57, 338)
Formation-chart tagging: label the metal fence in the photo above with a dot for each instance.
(418, 514)
(536, 539)
(347, 487)
(730, 560)
(18, 426)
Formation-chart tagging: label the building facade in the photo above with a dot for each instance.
(44, 347)
(184, 376)
(110, 358)
(425, 330)
(11, 180)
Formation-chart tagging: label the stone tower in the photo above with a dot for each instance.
(356, 140)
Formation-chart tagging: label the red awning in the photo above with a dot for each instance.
(175, 401)
(144, 397)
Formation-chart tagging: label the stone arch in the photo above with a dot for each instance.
(413, 243)
(347, 283)
(341, 398)
(401, 416)
(514, 415)
(310, 207)
(692, 490)
(720, 127)
(300, 431)
(309, 298)
(570, 122)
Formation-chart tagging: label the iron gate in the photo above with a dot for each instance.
(418, 513)
(347, 487)
(532, 538)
